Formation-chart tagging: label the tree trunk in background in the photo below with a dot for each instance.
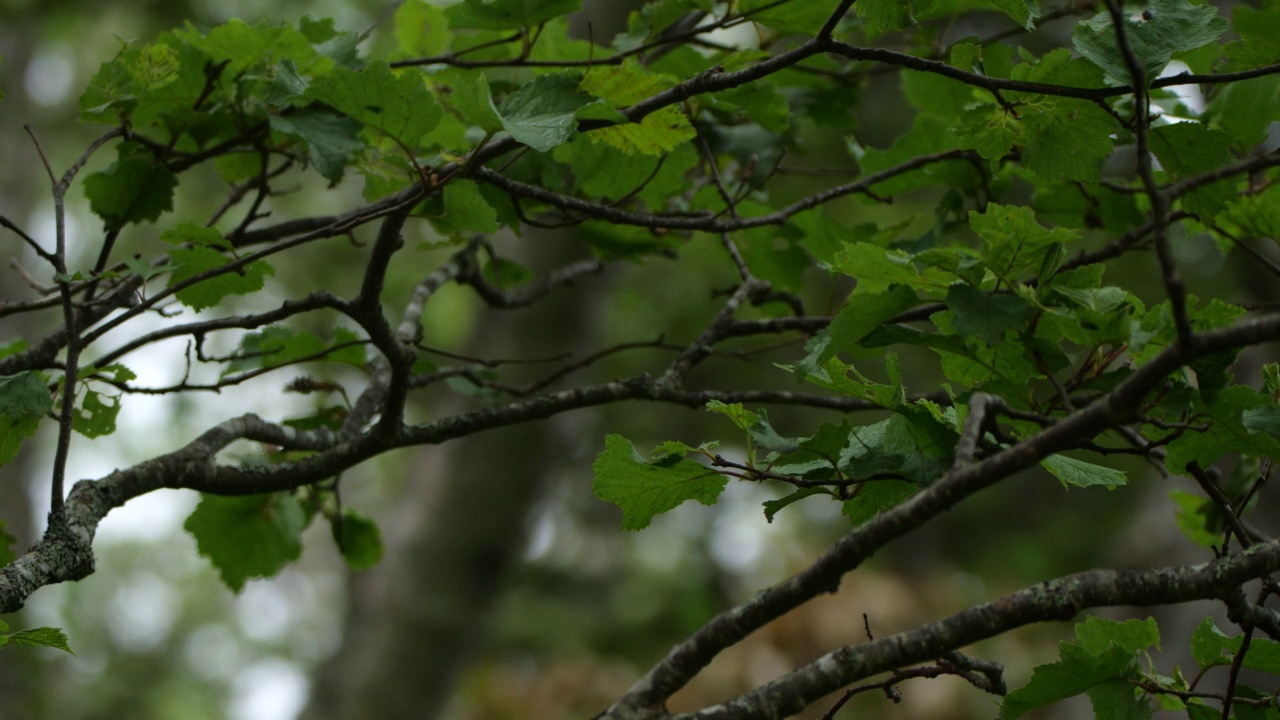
(417, 619)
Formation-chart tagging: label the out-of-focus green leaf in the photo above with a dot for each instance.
(248, 537)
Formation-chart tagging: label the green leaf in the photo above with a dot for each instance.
(1187, 149)
(12, 433)
(133, 188)
(24, 396)
(646, 488)
(41, 637)
(876, 269)
(1198, 518)
(987, 315)
(1165, 28)
(1211, 647)
(989, 129)
(864, 312)
(1083, 474)
(1245, 110)
(773, 507)
(396, 104)
(248, 537)
(359, 539)
(1097, 634)
(96, 415)
(657, 133)
(421, 29)
(331, 138)
(1076, 672)
(465, 210)
(796, 17)
(1023, 12)
(625, 84)
(1015, 243)
(541, 113)
(474, 101)
(190, 262)
(1119, 700)
(874, 496)
(277, 345)
(883, 15)
(507, 14)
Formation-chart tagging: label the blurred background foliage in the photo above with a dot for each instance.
(575, 608)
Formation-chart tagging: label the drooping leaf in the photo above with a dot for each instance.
(1163, 29)
(985, 315)
(541, 114)
(359, 539)
(331, 138)
(248, 537)
(474, 101)
(1188, 149)
(96, 414)
(134, 188)
(646, 488)
(24, 395)
(40, 637)
(1076, 671)
(1079, 473)
(465, 210)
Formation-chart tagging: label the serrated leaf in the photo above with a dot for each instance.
(989, 129)
(331, 138)
(541, 113)
(657, 133)
(1187, 149)
(24, 395)
(190, 262)
(864, 312)
(421, 29)
(646, 488)
(1076, 672)
(1211, 647)
(624, 84)
(987, 315)
(396, 104)
(359, 539)
(1023, 12)
(41, 637)
(1119, 700)
(1096, 634)
(507, 14)
(1164, 28)
(248, 537)
(1079, 473)
(133, 188)
(874, 496)
(277, 345)
(1014, 242)
(797, 17)
(474, 101)
(465, 210)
